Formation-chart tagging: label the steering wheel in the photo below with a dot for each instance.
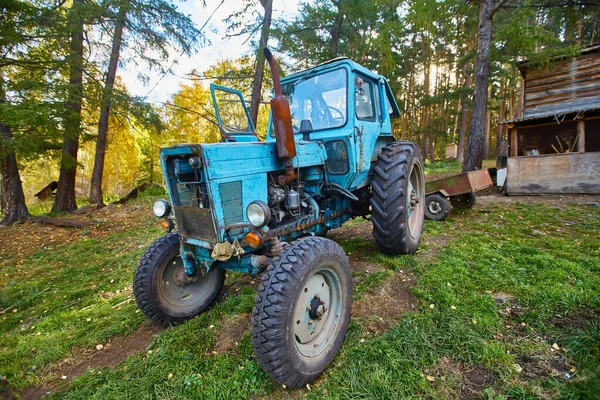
(324, 114)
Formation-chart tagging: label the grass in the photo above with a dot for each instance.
(458, 342)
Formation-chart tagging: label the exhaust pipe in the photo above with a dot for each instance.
(282, 122)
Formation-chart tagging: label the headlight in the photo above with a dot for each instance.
(258, 213)
(161, 208)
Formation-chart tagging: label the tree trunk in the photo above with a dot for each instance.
(460, 155)
(501, 117)
(474, 154)
(260, 61)
(65, 194)
(335, 30)
(13, 198)
(96, 187)
(488, 128)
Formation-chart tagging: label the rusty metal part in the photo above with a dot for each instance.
(282, 123)
(461, 183)
(181, 279)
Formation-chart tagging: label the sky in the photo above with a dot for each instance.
(219, 49)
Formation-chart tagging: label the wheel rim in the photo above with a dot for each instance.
(434, 207)
(177, 294)
(415, 200)
(317, 313)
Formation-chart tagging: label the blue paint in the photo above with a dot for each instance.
(236, 172)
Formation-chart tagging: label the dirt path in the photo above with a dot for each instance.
(114, 352)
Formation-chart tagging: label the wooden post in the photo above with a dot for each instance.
(513, 142)
(581, 133)
(521, 109)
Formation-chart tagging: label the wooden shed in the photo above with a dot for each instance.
(554, 147)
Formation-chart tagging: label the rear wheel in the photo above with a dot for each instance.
(463, 201)
(302, 311)
(163, 291)
(398, 198)
(437, 207)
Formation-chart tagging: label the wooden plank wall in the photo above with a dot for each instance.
(554, 173)
(565, 86)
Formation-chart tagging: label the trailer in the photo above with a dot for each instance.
(457, 190)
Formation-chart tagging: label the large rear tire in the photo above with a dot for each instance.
(302, 311)
(398, 198)
(160, 288)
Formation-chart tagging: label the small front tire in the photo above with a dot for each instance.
(437, 207)
(155, 289)
(302, 311)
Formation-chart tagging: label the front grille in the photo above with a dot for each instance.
(195, 222)
(231, 202)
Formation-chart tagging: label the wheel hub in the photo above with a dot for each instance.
(181, 279)
(311, 309)
(434, 207)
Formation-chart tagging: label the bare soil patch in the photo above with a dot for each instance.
(455, 380)
(113, 353)
(19, 241)
(383, 307)
(231, 332)
(562, 200)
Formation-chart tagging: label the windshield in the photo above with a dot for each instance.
(320, 100)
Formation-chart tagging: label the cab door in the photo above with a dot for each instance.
(367, 125)
(232, 115)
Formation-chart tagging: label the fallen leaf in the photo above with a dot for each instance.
(211, 327)
(474, 322)
(432, 306)
(453, 307)
(523, 324)
(308, 386)
(430, 378)
(15, 310)
(169, 376)
(88, 320)
(572, 369)
(149, 351)
(99, 346)
(449, 284)
(518, 368)
(362, 340)
(63, 377)
(555, 346)
(283, 386)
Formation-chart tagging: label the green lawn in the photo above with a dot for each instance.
(495, 288)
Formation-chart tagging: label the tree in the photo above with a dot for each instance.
(96, 187)
(260, 61)
(65, 193)
(13, 199)
(474, 154)
(153, 27)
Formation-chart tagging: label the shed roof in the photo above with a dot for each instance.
(558, 117)
(527, 64)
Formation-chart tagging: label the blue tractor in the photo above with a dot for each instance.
(265, 207)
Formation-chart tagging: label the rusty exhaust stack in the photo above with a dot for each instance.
(282, 122)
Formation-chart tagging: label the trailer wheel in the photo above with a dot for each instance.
(302, 311)
(437, 207)
(398, 198)
(463, 201)
(160, 288)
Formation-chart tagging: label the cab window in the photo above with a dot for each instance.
(363, 104)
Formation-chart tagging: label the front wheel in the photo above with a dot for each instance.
(161, 289)
(302, 311)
